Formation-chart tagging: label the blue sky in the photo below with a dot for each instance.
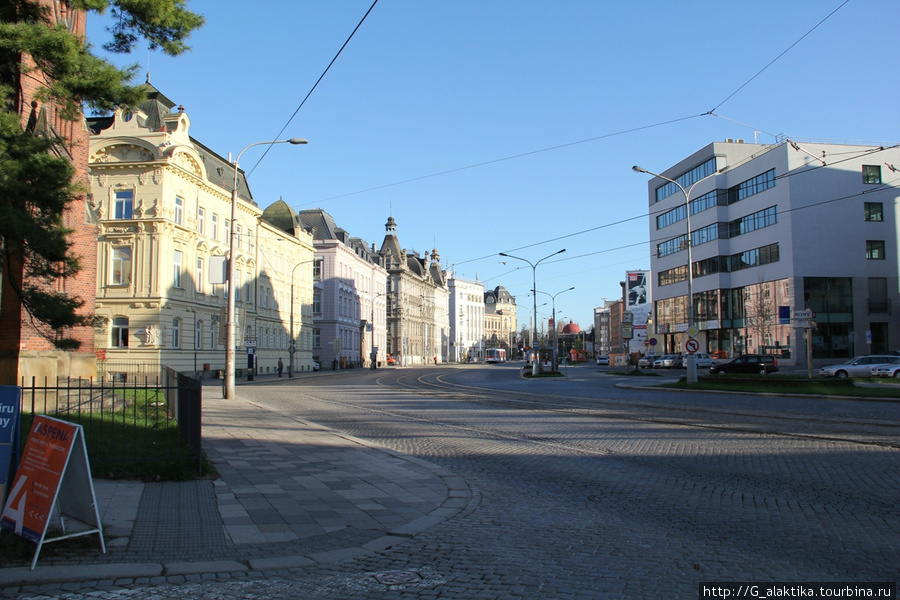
(512, 125)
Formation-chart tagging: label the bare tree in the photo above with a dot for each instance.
(760, 310)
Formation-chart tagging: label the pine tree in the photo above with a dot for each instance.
(37, 177)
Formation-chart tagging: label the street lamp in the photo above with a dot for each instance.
(691, 365)
(229, 332)
(555, 328)
(535, 365)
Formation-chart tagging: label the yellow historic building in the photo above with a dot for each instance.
(164, 202)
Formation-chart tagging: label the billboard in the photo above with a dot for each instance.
(637, 290)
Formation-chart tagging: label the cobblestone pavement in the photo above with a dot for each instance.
(581, 504)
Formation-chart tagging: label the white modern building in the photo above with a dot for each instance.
(777, 231)
(467, 323)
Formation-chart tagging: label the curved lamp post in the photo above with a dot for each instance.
(555, 328)
(691, 365)
(229, 332)
(535, 368)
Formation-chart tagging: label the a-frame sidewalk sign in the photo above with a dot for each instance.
(10, 407)
(54, 478)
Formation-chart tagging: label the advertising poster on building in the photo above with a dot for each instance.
(10, 405)
(637, 302)
(636, 289)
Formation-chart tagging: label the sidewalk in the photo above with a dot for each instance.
(290, 494)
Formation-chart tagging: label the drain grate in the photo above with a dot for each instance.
(397, 577)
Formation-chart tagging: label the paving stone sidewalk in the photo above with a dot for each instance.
(290, 494)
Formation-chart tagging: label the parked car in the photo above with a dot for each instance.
(672, 361)
(886, 370)
(315, 365)
(646, 362)
(603, 361)
(391, 360)
(702, 360)
(748, 363)
(858, 366)
(658, 363)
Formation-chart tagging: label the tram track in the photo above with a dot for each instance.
(873, 432)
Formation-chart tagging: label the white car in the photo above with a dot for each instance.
(703, 361)
(603, 361)
(859, 366)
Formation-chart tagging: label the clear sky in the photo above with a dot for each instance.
(487, 126)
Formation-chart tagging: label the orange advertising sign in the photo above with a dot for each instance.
(28, 508)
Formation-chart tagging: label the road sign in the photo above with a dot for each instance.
(692, 331)
(692, 345)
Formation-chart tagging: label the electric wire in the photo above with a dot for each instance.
(316, 84)
(774, 60)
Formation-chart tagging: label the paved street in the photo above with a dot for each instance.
(579, 489)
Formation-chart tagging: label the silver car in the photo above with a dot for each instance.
(887, 370)
(859, 366)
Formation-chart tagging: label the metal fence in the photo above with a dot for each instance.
(136, 419)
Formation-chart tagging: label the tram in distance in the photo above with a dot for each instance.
(495, 355)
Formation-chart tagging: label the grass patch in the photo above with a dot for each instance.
(139, 440)
(776, 384)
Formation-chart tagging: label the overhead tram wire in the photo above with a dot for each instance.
(321, 77)
(774, 60)
(507, 158)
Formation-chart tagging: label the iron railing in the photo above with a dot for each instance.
(131, 420)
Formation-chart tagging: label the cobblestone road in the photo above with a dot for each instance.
(588, 503)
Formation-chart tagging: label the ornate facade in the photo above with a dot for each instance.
(418, 329)
(164, 202)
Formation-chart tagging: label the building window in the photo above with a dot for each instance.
(874, 211)
(179, 210)
(201, 220)
(237, 286)
(212, 335)
(198, 335)
(875, 249)
(871, 173)
(176, 333)
(751, 187)
(214, 227)
(237, 237)
(124, 205)
(227, 231)
(317, 337)
(120, 274)
(199, 275)
(687, 179)
(317, 270)
(177, 270)
(317, 304)
(878, 295)
(119, 332)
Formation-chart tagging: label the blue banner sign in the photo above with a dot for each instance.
(10, 405)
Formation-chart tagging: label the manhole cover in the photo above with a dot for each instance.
(397, 577)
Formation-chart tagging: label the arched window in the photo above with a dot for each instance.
(119, 332)
(176, 333)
